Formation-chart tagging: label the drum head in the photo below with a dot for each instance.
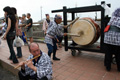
(85, 29)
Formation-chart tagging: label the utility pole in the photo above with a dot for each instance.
(41, 12)
(76, 7)
(96, 13)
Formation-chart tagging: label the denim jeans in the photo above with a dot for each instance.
(52, 49)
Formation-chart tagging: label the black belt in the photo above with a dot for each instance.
(114, 28)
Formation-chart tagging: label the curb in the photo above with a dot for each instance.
(9, 67)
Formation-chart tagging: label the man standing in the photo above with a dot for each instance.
(29, 32)
(50, 38)
(24, 23)
(112, 40)
(46, 23)
(37, 69)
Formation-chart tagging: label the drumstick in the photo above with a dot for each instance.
(25, 61)
(80, 33)
(72, 22)
(76, 35)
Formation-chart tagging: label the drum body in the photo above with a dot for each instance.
(88, 30)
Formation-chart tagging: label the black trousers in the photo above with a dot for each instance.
(60, 38)
(109, 51)
(27, 77)
(12, 52)
(19, 50)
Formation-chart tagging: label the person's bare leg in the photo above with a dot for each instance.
(31, 39)
(60, 45)
(57, 45)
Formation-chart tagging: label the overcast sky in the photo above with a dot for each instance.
(34, 6)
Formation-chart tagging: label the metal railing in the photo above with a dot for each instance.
(37, 30)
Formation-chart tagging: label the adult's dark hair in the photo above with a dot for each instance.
(19, 17)
(46, 14)
(29, 14)
(10, 14)
(14, 10)
(8, 10)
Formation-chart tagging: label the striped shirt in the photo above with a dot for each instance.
(53, 31)
(44, 67)
(113, 36)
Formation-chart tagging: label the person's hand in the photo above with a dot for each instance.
(17, 32)
(1, 28)
(26, 27)
(65, 34)
(57, 40)
(45, 32)
(22, 64)
(21, 25)
(29, 64)
(71, 25)
(4, 36)
(65, 26)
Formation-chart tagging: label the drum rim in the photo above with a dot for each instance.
(93, 24)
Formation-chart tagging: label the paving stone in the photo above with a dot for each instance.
(85, 66)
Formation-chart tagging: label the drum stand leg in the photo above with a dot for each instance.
(113, 60)
(73, 52)
(79, 51)
(73, 43)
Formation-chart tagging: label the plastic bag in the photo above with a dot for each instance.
(18, 42)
